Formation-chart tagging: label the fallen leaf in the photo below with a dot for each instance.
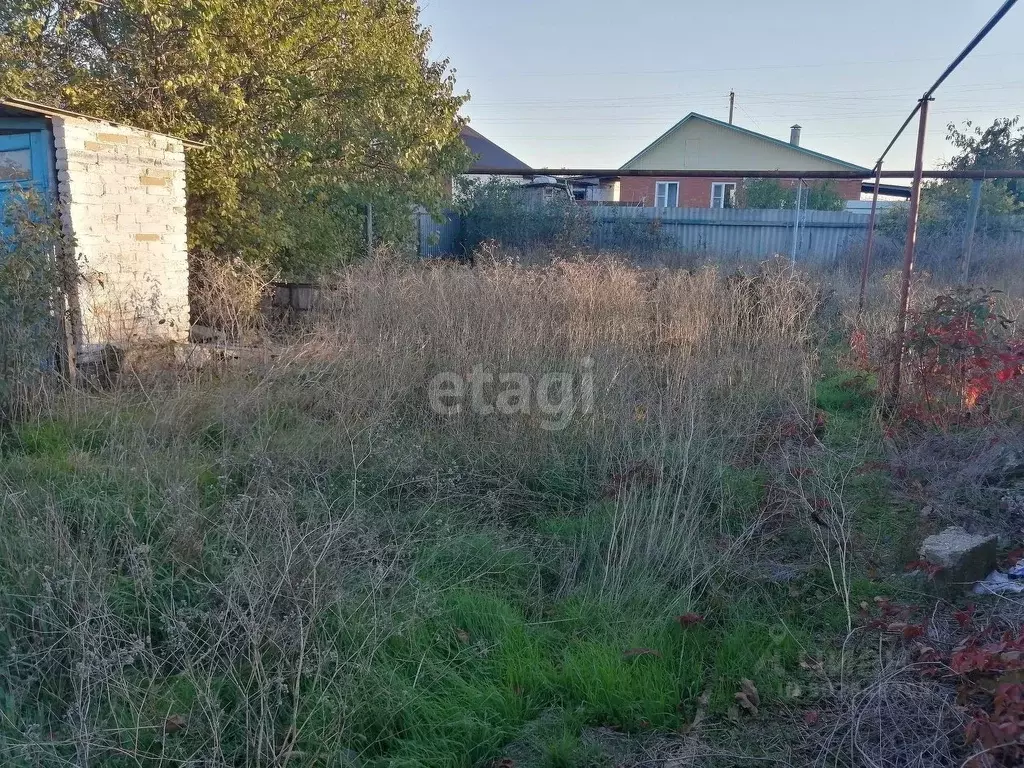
(751, 690)
(748, 698)
(964, 617)
(174, 723)
(815, 665)
(702, 707)
(913, 630)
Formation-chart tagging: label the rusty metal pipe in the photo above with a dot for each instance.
(1008, 173)
(908, 259)
(989, 26)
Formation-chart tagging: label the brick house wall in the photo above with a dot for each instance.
(122, 198)
(695, 192)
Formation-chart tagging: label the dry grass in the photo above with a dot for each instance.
(296, 561)
(227, 296)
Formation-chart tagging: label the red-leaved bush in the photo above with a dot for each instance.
(959, 354)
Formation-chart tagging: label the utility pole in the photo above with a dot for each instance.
(732, 103)
(908, 257)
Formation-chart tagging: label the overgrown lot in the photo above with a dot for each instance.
(302, 562)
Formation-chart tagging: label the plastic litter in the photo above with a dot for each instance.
(999, 583)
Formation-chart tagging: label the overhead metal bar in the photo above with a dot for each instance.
(1012, 173)
(1003, 10)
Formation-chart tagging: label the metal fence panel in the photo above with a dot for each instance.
(438, 238)
(823, 236)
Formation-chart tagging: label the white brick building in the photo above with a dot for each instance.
(121, 196)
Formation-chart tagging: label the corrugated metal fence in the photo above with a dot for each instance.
(731, 231)
(822, 235)
(438, 237)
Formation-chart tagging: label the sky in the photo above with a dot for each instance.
(589, 83)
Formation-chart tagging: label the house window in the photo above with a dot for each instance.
(666, 194)
(723, 194)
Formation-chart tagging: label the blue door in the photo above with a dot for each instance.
(26, 167)
(26, 162)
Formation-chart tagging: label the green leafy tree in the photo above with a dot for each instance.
(517, 217)
(1000, 146)
(945, 205)
(771, 194)
(308, 109)
(767, 194)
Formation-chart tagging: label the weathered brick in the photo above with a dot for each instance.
(122, 197)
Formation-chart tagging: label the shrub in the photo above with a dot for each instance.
(31, 304)
(771, 194)
(226, 295)
(517, 217)
(959, 356)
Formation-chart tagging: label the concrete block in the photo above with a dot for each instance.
(964, 557)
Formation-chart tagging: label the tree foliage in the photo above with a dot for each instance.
(1000, 146)
(771, 194)
(309, 109)
(517, 217)
(945, 205)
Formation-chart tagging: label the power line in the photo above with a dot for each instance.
(755, 96)
(982, 34)
(752, 68)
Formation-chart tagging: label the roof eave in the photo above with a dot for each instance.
(47, 111)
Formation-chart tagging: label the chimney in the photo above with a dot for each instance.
(794, 135)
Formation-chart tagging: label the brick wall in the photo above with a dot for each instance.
(122, 198)
(696, 192)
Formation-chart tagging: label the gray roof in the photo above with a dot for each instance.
(488, 154)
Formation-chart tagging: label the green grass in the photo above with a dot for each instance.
(486, 641)
(465, 681)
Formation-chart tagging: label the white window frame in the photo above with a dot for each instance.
(660, 198)
(718, 189)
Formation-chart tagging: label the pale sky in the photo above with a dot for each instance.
(574, 83)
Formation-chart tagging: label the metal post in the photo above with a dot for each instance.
(871, 240)
(420, 250)
(369, 230)
(732, 103)
(972, 222)
(908, 258)
(796, 220)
